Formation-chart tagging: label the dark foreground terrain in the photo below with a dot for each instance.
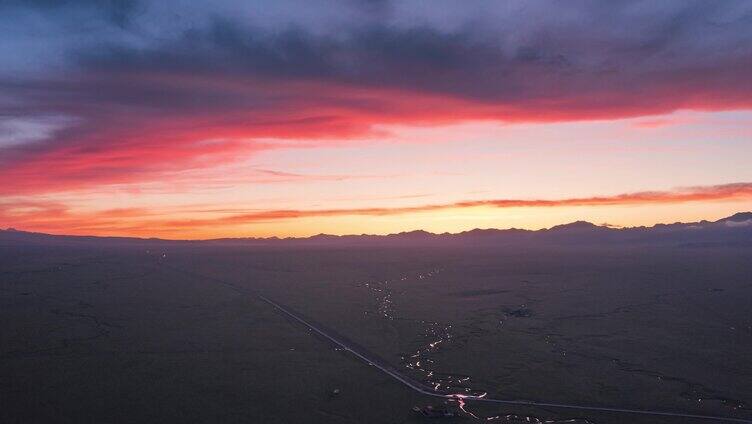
(157, 332)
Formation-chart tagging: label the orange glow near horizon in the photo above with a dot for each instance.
(188, 120)
(623, 210)
(447, 178)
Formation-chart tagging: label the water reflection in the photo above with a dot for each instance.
(513, 418)
(434, 337)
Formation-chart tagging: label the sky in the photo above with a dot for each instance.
(191, 120)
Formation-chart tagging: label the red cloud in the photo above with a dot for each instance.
(192, 94)
(117, 144)
(124, 140)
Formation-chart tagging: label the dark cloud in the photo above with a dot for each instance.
(116, 12)
(136, 77)
(682, 49)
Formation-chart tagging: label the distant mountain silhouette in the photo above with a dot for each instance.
(740, 217)
(732, 230)
(575, 226)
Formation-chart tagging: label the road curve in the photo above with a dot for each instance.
(419, 387)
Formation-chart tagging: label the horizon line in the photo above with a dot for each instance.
(418, 230)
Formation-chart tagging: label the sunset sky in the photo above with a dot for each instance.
(176, 119)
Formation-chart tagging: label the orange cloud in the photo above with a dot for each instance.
(693, 194)
(56, 218)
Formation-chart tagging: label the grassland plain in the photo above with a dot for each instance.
(174, 334)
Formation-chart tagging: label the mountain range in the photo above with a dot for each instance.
(734, 230)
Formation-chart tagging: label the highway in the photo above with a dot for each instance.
(370, 359)
(357, 351)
